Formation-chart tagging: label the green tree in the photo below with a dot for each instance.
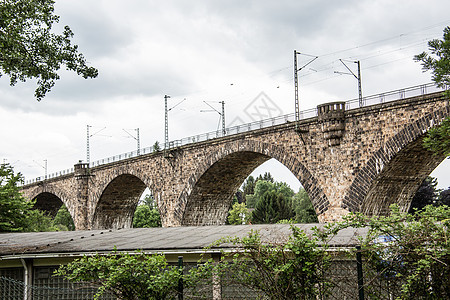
(444, 197)
(29, 48)
(38, 221)
(156, 147)
(438, 139)
(290, 270)
(147, 214)
(262, 186)
(239, 214)
(303, 208)
(271, 208)
(14, 208)
(267, 177)
(127, 276)
(438, 62)
(250, 201)
(63, 220)
(425, 195)
(249, 186)
(406, 256)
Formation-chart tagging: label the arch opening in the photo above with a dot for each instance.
(48, 203)
(117, 204)
(217, 189)
(147, 212)
(400, 178)
(54, 208)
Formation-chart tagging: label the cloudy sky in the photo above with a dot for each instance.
(209, 51)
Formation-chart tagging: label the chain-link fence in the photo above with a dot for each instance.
(341, 277)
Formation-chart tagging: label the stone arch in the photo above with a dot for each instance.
(50, 198)
(396, 170)
(234, 161)
(118, 201)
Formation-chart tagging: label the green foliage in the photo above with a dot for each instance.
(38, 221)
(409, 253)
(29, 48)
(291, 270)
(156, 147)
(63, 220)
(127, 276)
(239, 214)
(438, 139)
(428, 194)
(303, 208)
(14, 208)
(289, 206)
(266, 177)
(147, 214)
(250, 201)
(249, 186)
(271, 208)
(438, 62)
(17, 213)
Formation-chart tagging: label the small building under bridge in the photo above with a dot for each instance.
(27, 260)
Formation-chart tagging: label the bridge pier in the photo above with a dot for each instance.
(81, 200)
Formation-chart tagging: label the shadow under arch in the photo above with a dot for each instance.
(48, 203)
(50, 198)
(117, 203)
(209, 192)
(394, 172)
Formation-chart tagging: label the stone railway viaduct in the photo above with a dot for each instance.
(362, 159)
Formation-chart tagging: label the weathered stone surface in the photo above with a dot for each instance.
(358, 160)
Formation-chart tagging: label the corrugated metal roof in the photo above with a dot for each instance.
(150, 239)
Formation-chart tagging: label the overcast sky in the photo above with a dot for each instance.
(209, 51)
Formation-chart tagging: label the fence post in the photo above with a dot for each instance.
(180, 281)
(360, 273)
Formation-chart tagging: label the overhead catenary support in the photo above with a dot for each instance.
(88, 155)
(88, 136)
(296, 70)
(224, 131)
(358, 77)
(136, 138)
(43, 166)
(166, 127)
(221, 114)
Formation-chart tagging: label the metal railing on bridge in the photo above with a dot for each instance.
(305, 114)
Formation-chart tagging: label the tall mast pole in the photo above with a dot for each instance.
(224, 132)
(138, 142)
(88, 158)
(297, 108)
(359, 85)
(166, 129)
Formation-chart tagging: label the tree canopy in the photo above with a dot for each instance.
(29, 49)
(438, 62)
(17, 213)
(147, 214)
(14, 208)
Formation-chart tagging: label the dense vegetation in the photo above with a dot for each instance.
(265, 201)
